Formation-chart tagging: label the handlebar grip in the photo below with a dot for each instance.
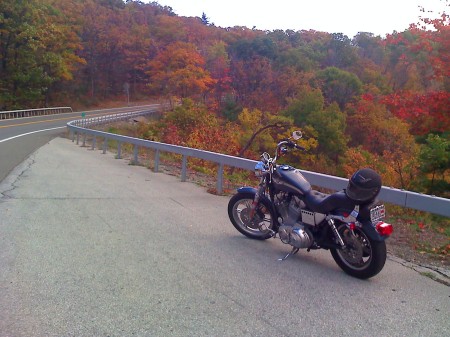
(300, 147)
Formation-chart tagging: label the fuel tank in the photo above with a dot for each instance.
(289, 179)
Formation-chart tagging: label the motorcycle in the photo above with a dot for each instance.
(349, 222)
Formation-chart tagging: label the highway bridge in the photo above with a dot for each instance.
(91, 246)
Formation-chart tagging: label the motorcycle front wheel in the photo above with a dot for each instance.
(259, 226)
(362, 257)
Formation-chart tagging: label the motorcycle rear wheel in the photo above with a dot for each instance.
(362, 257)
(260, 226)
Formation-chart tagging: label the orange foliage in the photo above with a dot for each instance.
(179, 70)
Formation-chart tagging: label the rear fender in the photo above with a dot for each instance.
(370, 230)
(365, 224)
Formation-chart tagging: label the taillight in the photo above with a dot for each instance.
(384, 229)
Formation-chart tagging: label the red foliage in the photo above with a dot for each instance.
(172, 135)
(428, 112)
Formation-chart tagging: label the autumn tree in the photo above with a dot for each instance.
(373, 128)
(370, 47)
(167, 30)
(35, 53)
(192, 125)
(417, 57)
(100, 49)
(425, 112)
(340, 51)
(179, 70)
(218, 64)
(257, 130)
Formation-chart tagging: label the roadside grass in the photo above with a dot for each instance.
(425, 233)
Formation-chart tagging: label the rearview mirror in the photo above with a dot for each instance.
(297, 135)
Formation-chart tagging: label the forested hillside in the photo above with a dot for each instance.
(361, 101)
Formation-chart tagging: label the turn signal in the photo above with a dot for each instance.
(384, 229)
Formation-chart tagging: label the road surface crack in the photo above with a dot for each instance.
(9, 184)
(437, 274)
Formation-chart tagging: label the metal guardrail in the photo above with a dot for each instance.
(33, 112)
(418, 201)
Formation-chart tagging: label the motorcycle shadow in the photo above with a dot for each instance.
(307, 266)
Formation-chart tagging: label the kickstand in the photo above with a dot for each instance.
(292, 252)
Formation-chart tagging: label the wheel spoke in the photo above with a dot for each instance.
(261, 219)
(357, 253)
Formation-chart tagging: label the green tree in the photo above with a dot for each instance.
(330, 124)
(339, 86)
(295, 58)
(435, 162)
(261, 46)
(307, 102)
(309, 110)
(205, 19)
(231, 109)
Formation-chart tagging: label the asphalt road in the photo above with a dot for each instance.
(91, 246)
(21, 137)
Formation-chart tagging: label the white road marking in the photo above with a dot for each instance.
(29, 133)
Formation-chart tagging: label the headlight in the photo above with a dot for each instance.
(260, 168)
(259, 173)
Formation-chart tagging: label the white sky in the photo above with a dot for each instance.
(380, 17)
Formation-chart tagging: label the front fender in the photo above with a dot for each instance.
(263, 198)
(247, 189)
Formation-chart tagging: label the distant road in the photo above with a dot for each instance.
(22, 136)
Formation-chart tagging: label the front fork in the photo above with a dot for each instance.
(255, 202)
(259, 193)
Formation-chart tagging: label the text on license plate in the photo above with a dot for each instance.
(377, 213)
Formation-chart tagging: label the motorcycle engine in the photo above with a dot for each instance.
(297, 236)
(291, 231)
(289, 207)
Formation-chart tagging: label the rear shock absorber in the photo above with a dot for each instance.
(336, 233)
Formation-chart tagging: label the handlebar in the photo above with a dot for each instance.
(267, 164)
(289, 143)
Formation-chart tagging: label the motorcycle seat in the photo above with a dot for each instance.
(325, 203)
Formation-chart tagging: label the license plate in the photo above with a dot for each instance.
(377, 213)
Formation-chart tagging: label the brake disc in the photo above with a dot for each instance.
(250, 223)
(353, 251)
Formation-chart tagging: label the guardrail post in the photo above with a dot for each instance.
(220, 179)
(135, 155)
(184, 168)
(105, 145)
(94, 143)
(84, 140)
(156, 161)
(119, 150)
(78, 137)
